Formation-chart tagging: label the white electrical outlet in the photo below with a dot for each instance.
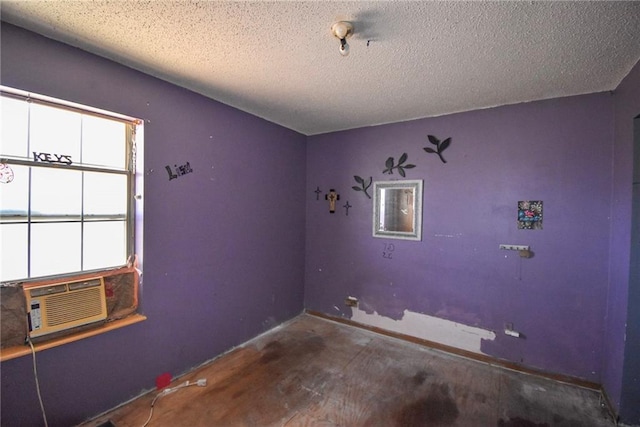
(512, 333)
(514, 247)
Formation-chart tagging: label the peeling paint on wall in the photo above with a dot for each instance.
(429, 328)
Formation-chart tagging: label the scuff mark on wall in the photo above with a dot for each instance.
(450, 236)
(429, 328)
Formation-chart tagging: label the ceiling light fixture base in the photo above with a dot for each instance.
(342, 30)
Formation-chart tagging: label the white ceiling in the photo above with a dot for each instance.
(279, 61)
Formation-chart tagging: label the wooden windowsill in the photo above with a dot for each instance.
(23, 350)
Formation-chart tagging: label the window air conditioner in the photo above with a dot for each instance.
(58, 307)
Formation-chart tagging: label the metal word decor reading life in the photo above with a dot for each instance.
(179, 170)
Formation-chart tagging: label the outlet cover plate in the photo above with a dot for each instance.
(514, 247)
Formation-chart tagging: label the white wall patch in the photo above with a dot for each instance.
(429, 328)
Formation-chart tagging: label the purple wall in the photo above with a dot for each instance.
(208, 288)
(557, 151)
(223, 246)
(621, 378)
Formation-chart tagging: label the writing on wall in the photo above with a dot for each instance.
(178, 170)
(388, 250)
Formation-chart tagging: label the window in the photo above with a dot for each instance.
(67, 186)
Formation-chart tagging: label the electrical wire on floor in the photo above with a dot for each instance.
(201, 383)
(35, 374)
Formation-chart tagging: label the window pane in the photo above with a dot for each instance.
(14, 123)
(105, 194)
(55, 248)
(60, 220)
(13, 251)
(104, 244)
(55, 192)
(55, 131)
(14, 196)
(103, 142)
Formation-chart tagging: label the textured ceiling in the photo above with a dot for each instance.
(279, 61)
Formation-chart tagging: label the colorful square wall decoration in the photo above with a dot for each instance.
(530, 215)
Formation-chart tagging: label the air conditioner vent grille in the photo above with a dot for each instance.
(58, 307)
(73, 306)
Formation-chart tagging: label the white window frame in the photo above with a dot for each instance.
(133, 141)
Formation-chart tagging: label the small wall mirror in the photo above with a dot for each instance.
(397, 209)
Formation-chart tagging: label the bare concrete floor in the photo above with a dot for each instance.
(315, 372)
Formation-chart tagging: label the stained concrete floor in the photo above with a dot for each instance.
(315, 372)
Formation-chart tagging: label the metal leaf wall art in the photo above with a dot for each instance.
(364, 184)
(390, 165)
(440, 146)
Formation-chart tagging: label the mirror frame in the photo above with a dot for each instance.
(416, 186)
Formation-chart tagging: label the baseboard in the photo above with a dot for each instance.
(606, 402)
(468, 354)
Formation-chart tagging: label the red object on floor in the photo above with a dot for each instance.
(163, 380)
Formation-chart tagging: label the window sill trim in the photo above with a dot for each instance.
(24, 350)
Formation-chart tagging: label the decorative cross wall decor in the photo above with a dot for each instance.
(332, 197)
